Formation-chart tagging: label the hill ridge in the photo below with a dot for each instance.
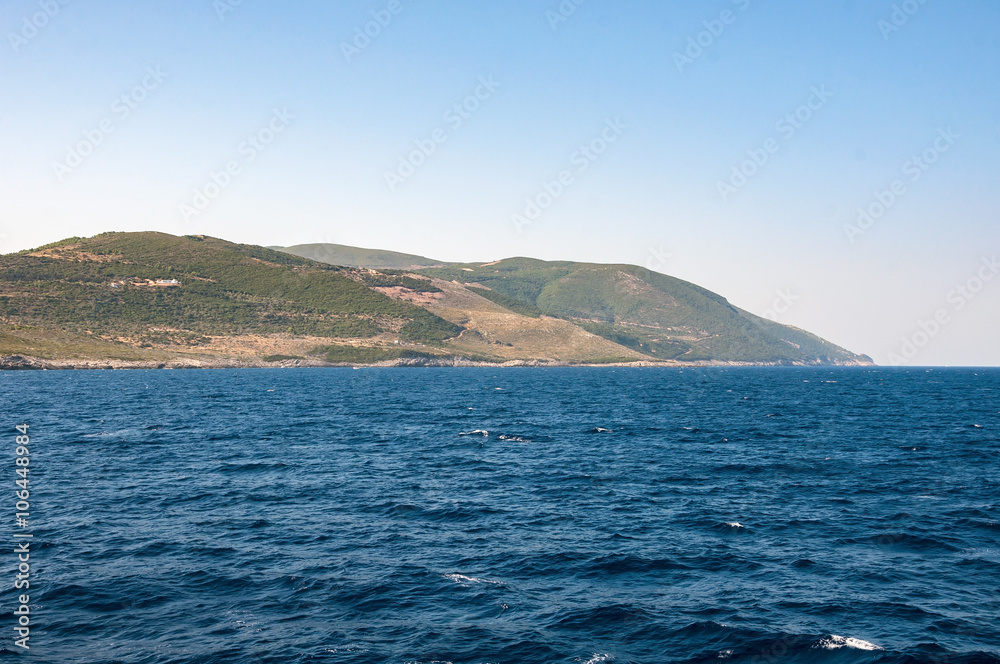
(152, 299)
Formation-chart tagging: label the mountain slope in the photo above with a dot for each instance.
(105, 288)
(648, 312)
(141, 298)
(493, 330)
(339, 254)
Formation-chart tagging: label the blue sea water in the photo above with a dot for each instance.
(515, 516)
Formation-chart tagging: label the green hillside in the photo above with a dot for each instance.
(652, 313)
(100, 286)
(338, 254)
(200, 301)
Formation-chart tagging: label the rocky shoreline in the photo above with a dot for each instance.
(27, 363)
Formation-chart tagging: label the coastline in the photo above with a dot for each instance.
(28, 363)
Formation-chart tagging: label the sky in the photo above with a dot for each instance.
(830, 165)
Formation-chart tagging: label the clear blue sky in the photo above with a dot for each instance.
(890, 88)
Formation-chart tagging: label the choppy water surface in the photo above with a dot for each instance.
(521, 516)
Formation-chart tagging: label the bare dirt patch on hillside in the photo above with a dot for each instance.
(495, 331)
(409, 295)
(72, 252)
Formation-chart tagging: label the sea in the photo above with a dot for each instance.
(515, 515)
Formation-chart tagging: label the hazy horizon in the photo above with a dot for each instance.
(832, 165)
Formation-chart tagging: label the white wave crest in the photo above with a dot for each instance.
(461, 578)
(835, 642)
(599, 657)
